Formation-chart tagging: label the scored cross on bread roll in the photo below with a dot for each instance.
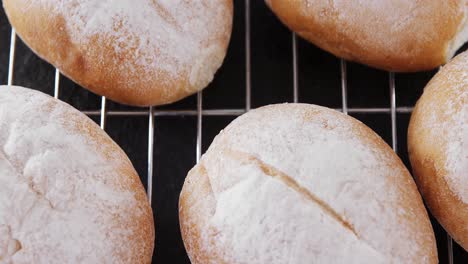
(137, 52)
(394, 35)
(296, 183)
(68, 193)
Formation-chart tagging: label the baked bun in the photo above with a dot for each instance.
(438, 147)
(394, 35)
(293, 183)
(68, 193)
(137, 52)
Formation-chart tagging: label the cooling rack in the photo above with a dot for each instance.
(248, 14)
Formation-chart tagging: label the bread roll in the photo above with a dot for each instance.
(394, 35)
(137, 52)
(438, 147)
(68, 193)
(297, 183)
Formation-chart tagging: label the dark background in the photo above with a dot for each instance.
(319, 82)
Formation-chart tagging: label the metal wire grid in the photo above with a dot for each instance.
(199, 112)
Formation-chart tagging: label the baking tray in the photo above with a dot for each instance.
(265, 64)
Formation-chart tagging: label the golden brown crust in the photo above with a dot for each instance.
(428, 140)
(192, 214)
(390, 35)
(96, 64)
(142, 223)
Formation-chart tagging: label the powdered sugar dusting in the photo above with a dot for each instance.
(260, 218)
(61, 200)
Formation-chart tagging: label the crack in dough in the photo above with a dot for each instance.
(271, 171)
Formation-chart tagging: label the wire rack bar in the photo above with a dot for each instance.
(238, 112)
(295, 69)
(103, 112)
(344, 86)
(393, 111)
(450, 248)
(248, 77)
(11, 60)
(149, 190)
(199, 125)
(57, 84)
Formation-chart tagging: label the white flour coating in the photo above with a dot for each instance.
(260, 218)
(174, 37)
(446, 122)
(455, 128)
(457, 149)
(60, 199)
